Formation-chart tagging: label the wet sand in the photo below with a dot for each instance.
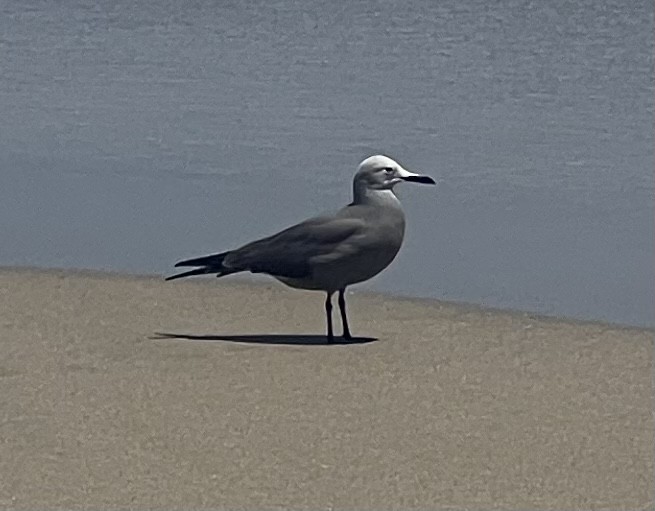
(128, 392)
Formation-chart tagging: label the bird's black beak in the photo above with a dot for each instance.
(418, 178)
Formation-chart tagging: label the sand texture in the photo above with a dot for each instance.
(128, 392)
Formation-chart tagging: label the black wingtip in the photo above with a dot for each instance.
(197, 271)
(214, 260)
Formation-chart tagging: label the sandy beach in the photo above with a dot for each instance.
(128, 392)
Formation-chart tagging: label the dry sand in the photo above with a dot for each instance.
(453, 406)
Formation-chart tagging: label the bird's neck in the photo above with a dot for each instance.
(369, 196)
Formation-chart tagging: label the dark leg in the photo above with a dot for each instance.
(328, 312)
(344, 318)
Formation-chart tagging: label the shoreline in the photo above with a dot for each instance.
(245, 281)
(126, 391)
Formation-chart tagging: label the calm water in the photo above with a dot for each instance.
(137, 133)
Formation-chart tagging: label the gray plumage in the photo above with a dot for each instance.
(328, 252)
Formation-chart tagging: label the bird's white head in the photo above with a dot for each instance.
(382, 173)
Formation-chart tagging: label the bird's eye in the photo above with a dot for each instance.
(387, 170)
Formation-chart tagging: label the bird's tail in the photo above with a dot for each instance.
(207, 264)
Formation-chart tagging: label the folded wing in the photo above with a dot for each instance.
(289, 253)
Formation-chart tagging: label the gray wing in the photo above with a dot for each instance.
(292, 252)
(356, 237)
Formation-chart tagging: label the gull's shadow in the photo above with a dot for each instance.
(280, 339)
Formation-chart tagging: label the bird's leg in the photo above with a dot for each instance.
(328, 312)
(344, 318)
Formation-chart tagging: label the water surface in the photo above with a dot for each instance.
(137, 133)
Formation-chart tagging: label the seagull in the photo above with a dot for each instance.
(332, 251)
